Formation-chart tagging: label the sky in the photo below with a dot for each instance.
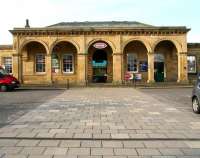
(41, 13)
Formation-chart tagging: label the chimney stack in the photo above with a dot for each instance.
(27, 24)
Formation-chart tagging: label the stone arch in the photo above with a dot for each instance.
(174, 42)
(166, 70)
(28, 49)
(144, 42)
(135, 57)
(111, 44)
(23, 45)
(75, 44)
(107, 69)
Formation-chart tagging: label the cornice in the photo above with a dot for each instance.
(151, 31)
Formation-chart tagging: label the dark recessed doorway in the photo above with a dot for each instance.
(99, 66)
(159, 67)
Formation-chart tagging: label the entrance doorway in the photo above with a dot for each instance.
(159, 67)
(99, 66)
(159, 71)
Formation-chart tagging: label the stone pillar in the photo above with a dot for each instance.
(1, 60)
(150, 67)
(17, 67)
(182, 67)
(81, 69)
(48, 69)
(117, 68)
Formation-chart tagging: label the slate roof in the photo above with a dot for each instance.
(193, 45)
(6, 47)
(99, 24)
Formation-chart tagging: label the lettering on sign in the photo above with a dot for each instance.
(138, 76)
(100, 45)
(128, 76)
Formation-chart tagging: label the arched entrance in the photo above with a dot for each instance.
(159, 67)
(100, 63)
(165, 62)
(64, 62)
(136, 60)
(34, 67)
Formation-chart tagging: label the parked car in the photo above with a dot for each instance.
(196, 96)
(7, 81)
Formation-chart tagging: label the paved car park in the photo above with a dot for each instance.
(16, 103)
(100, 122)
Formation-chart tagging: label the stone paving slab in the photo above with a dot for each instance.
(73, 148)
(105, 113)
(103, 123)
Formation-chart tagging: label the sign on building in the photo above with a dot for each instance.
(128, 76)
(100, 45)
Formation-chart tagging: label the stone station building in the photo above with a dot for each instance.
(100, 52)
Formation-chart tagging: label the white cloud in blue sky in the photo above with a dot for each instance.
(46, 12)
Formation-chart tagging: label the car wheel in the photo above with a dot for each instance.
(195, 105)
(3, 88)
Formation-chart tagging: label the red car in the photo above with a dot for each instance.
(7, 82)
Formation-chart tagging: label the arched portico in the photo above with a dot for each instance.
(135, 59)
(111, 44)
(72, 42)
(24, 44)
(165, 61)
(143, 41)
(63, 62)
(176, 44)
(100, 62)
(35, 68)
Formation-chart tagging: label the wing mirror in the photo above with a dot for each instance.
(198, 85)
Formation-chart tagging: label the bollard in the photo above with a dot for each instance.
(86, 83)
(134, 80)
(67, 83)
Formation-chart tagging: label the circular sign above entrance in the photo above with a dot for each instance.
(100, 45)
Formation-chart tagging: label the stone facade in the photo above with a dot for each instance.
(78, 39)
(194, 50)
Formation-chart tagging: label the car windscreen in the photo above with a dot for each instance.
(3, 72)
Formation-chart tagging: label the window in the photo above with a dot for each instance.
(40, 63)
(159, 58)
(68, 63)
(132, 63)
(191, 61)
(8, 64)
(55, 63)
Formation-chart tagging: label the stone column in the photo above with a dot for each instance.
(182, 67)
(117, 68)
(48, 69)
(17, 67)
(81, 69)
(150, 67)
(1, 60)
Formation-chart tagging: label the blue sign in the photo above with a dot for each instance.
(143, 66)
(102, 64)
